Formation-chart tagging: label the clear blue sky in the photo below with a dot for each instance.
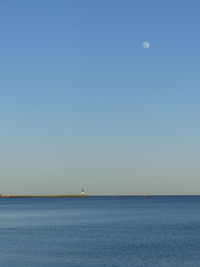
(82, 104)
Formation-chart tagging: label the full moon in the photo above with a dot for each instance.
(146, 44)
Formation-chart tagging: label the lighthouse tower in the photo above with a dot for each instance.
(82, 192)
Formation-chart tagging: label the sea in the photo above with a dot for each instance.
(121, 231)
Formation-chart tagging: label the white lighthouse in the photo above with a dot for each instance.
(82, 192)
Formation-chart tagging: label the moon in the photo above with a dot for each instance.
(145, 44)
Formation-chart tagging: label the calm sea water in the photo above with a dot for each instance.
(100, 232)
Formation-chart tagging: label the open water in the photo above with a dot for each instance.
(100, 232)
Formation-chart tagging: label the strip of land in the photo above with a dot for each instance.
(39, 196)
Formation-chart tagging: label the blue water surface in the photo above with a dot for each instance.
(100, 231)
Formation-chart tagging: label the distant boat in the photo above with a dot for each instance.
(144, 194)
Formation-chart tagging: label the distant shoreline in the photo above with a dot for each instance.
(41, 196)
(83, 196)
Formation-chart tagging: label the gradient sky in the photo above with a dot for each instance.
(82, 104)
